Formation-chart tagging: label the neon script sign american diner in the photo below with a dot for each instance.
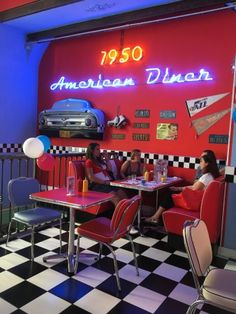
(154, 76)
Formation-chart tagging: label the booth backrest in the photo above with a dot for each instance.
(210, 212)
(211, 208)
(76, 169)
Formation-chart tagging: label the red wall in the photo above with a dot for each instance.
(184, 45)
(6, 4)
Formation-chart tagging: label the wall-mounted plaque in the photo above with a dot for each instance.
(141, 137)
(118, 136)
(167, 131)
(138, 125)
(168, 114)
(142, 113)
(218, 139)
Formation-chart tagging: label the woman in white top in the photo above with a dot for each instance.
(209, 170)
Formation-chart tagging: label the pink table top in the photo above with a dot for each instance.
(79, 201)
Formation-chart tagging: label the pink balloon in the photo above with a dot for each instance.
(46, 162)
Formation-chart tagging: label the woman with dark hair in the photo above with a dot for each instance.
(97, 172)
(209, 170)
(134, 166)
(211, 155)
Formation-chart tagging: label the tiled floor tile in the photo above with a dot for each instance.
(47, 279)
(172, 306)
(91, 276)
(159, 284)
(16, 245)
(8, 280)
(170, 271)
(156, 254)
(184, 294)
(120, 242)
(146, 241)
(46, 303)
(11, 260)
(51, 232)
(85, 243)
(50, 244)
(147, 263)
(110, 287)
(21, 294)
(127, 308)
(93, 302)
(178, 261)
(27, 269)
(71, 290)
(5, 307)
(231, 265)
(73, 309)
(129, 273)
(145, 299)
(123, 255)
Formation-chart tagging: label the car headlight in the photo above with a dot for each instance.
(90, 121)
(42, 121)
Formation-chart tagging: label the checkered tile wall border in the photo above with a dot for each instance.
(10, 148)
(230, 174)
(173, 160)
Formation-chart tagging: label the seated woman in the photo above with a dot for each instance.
(134, 166)
(97, 172)
(209, 170)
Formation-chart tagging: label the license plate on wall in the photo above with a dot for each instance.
(65, 134)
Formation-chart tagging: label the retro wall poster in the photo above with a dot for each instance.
(167, 131)
(204, 123)
(195, 106)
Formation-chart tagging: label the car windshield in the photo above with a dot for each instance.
(71, 105)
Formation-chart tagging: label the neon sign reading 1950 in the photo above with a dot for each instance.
(125, 55)
(154, 76)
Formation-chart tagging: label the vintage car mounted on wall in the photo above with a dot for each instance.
(72, 118)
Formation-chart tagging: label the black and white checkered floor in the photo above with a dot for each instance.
(165, 283)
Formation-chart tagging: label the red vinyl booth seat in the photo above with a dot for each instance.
(77, 169)
(210, 212)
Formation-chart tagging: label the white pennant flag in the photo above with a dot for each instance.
(196, 105)
(202, 124)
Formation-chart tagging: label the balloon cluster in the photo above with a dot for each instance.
(37, 147)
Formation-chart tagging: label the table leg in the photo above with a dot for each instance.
(70, 253)
(139, 211)
(71, 241)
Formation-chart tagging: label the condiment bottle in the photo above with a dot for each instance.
(85, 186)
(146, 175)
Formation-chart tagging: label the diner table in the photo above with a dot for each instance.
(149, 186)
(81, 201)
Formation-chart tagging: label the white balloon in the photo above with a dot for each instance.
(33, 147)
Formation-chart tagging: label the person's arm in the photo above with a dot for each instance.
(123, 169)
(198, 185)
